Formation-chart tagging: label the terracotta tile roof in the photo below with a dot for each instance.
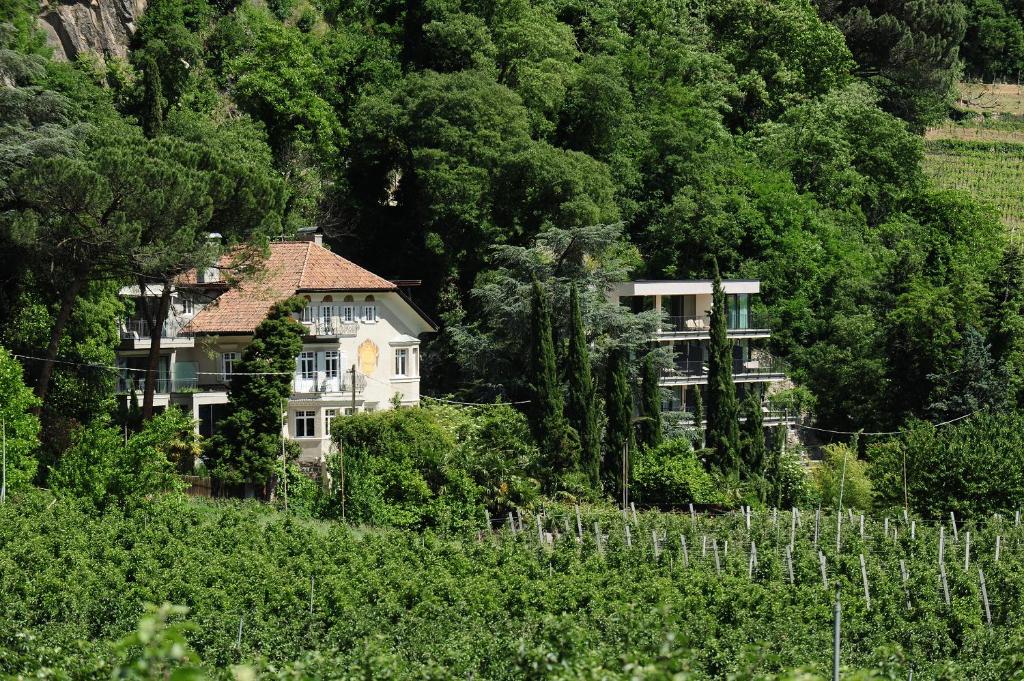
(293, 266)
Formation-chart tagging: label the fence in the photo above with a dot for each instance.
(198, 486)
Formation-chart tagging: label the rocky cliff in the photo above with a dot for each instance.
(104, 27)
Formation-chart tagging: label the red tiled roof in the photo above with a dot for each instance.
(293, 266)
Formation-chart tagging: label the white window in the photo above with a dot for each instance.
(307, 314)
(307, 364)
(326, 312)
(370, 312)
(329, 416)
(228, 360)
(348, 313)
(331, 364)
(349, 411)
(305, 424)
(401, 361)
(187, 306)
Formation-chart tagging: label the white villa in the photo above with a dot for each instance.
(361, 351)
(685, 328)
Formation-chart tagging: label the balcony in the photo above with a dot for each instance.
(136, 334)
(771, 417)
(334, 327)
(750, 326)
(164, 386)
(320, 383)
(761, 370)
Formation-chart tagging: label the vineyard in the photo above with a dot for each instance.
(553, 595)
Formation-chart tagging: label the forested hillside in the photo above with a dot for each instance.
(429, 138)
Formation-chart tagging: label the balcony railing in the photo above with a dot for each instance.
(332, 328)
(320, 382)
(740, 367)
(139, 329)
(163, 385)
(770, 416)
(702, 324)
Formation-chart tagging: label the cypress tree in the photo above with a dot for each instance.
(581, 407)
(698, 414)
(650, 404)
(619, 406)
(753, 447)
(550, 429)
(723, 412)
(153, 103)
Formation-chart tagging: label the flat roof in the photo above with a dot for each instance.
(681, 287)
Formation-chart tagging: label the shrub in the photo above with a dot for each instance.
(972, 468)
(840, 472)
(671, 475)
(102, 467)
(20, 424)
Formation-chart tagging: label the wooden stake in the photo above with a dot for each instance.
(789, 562)
(984, 597)
(864, 574)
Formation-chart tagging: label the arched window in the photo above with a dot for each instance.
(328, 299)
(369, 310)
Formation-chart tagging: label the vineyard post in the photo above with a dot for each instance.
(654, 542)
(862, 526)
(686, 554)
(1016, 518)
(579, 523)
(693, 516)
(906, 517)
(519, 514)
(540, 530)
(632, 508)
(839, 530)
(238, 640)
(311, 583)
(789, 562)
(629, 537)
(945, 583)
(487, 519)
(967, 551)
(942, 543)
(511, 522)
(792, 527)
(753, 560)
(836, 625)
(886, 527)
(906, 577)
(746, 516)
(597, 538)
(999, 540)
(984, 597)
(775, 516)
(821, 561)
(704, 546)
(718, 565)
(864, 576)
(952, 519)
(817, 519)
(913, 530)
(725, 550)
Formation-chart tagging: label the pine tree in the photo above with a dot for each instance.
(650, 405)
(698, 414)
(753, 449)
(723, 412)
(558, 442)
(153, 103)
(619, 407)
(581, 406)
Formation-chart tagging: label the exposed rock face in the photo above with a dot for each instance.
(104, 27)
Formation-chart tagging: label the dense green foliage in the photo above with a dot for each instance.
(671, 476)
(581, 408)
(73, 584)
(19, 428)
(722, 433)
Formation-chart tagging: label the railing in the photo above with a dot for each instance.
(319, 382)
(332, 327)
(740, 367)
(139, 329)
(702, 324)
(768, 415)
(163, 385)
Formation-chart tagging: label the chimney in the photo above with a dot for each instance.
(211, 274)
(310, 234)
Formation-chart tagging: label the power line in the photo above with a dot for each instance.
(890, 432)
